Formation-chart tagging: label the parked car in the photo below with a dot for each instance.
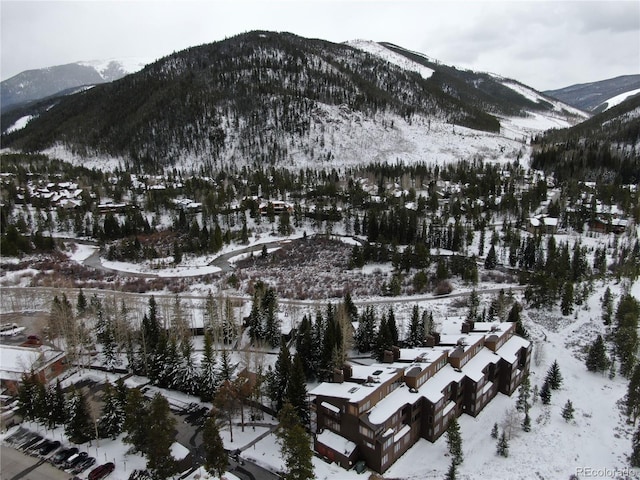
(82, 466)
(74, 460)
(31, 439)
(63, 455)
(102, 471)
(49, 447)
(34, 447)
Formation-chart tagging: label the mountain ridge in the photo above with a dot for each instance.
(265, 98)
(36, 84)
(593, 96)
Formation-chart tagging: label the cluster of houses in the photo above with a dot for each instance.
(376, 413)
(64, 195)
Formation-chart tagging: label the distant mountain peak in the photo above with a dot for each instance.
(36, 84)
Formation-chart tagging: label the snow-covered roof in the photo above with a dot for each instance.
(336, 442)
(14, 361)
(510, 348)
(354, 392)
(179, 451)
(473, 368)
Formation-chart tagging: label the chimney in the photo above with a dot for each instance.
(466, 328)
(388, 357)
(396, 353)
(347, 372)
(338, 376)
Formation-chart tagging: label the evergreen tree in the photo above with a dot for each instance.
(79, 427)
(632, 400)
(502, 448)
(226, 367)
(208, 380)
(597, 360)
(215, 456)
(567, 411)
(494, 431)
(27, 394)
(350, 307)
(416, 329)
(554, 377)
(634, 459)
(365, 334)
(626, 333)
(607, 306)
(524, 393)
(81, 305)
(454, 441)
(545, 393)
(383, 339)
(135, 420)
(280, 379)
(392, 326)
(297, 390)
(160, 425)
(187, 374)
(453, 471)
(526, 423)
(295, 446)
(566, 305)
(58, 406)
(491, 261)
(111, 421)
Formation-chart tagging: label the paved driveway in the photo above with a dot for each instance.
(16, 466)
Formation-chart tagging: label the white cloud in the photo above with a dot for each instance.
(546, 44)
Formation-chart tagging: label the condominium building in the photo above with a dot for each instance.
(376, 413)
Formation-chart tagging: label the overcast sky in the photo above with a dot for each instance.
(544, 44)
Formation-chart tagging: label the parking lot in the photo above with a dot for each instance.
(16, 465)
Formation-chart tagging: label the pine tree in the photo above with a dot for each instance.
(524, 393)
(215, 456)
(452, 472)
(58, 406)
(495, 431)
(226, 367)
(27, 396)
(160, 434)
(597, 360)
(297, 390)
(526, 423)
(454, 441)
(545, 393)
(111, 422)
(365, 334)
(135, 420)
(567, 411)
(502, 448)
(187, 374)
(491, 261)
(607, 306)
(632, 399)
(81, 305)
(280, 378)
(79, 427)
(634, 459)
(554, 377)
(208, 379)
(626, 333)
(416, 329)
(295, 446)
(566, 305)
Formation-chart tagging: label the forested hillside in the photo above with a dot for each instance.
(605, 147)
(259, 97)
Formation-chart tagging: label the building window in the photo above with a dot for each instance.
(385, 459)
(364, 431)
(388, 442)
(332, 424)
(365, 406)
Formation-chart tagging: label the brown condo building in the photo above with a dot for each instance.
(376, 413)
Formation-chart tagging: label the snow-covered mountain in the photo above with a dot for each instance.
(265, 98)
(32, 85)
(598, 96)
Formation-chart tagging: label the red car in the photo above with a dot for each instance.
(101, 471)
